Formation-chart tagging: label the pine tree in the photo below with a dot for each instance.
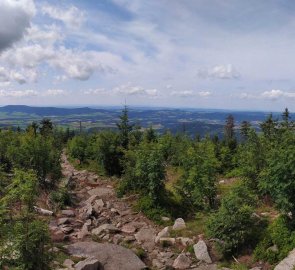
(124, 128)
(245, 129)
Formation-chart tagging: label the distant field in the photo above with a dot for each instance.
(193, 122)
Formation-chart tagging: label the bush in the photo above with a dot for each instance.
(60, 198)
(146, 205)
(234, 224)
(278, 240)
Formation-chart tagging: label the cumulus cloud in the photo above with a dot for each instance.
(15, 19)
(18, 94)
(94, 91)
(189, 93)
(55, 92)
(20, 76)
(273, 94)
(219, 72)
(72, 17)
(130, 89)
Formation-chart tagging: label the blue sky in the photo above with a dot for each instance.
(225, 54)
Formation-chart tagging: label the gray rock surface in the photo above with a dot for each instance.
(201, 252)
(89, 264)
(182, 262)
(288, 263)
(179, 224)
(111, 257)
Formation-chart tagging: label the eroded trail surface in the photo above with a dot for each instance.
(105, 228)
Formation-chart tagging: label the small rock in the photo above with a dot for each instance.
(61, 221)
(163, 233)
(182, 262)
(157, 264)
(128, 228)
(165, 219)
(105, 227)
(201, 252)
(99, 203)
(179, 224)
(185, 241)
(88, 264)
(68, 263)
(83, 232)
(68, 213)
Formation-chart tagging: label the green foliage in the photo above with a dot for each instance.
(124, 128)
(234, 224)
(199, 179)
(77, 147)
(144, 172)
(60, 198)
(277, 241)
(146, 205)
(278, 176)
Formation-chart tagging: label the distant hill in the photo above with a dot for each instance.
(192, 121)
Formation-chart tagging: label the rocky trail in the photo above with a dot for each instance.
(105, 233)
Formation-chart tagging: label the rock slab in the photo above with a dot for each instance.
(111, 257)
(201, 252)
(288, 263)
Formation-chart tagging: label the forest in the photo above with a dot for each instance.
(238, 191)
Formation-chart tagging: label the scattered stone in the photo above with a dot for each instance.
(146, 236)
(117, 239)
(112, 257)
(129, 238)
(88, 264)
(273, 248)
(68, 263)
(62, 221)
(201, 252)
(105, 227)
(83, 232)
(185, 241)
(101, 192)
(182, 262)
(179, 224)
(163, 233)
(68, 213)
(128, 228)
(66, 229)
(157, 264)
(165, 219)
(99, 203)
(43, 212)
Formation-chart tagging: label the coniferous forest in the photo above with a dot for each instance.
(237, 192)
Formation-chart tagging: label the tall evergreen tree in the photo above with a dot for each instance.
(124, 128)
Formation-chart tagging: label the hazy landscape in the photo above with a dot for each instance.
(192, 121)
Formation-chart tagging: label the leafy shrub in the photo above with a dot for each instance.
(60, 198)
(146, 205)
(278, 240)
(234, 224)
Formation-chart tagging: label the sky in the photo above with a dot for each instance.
(223, 54)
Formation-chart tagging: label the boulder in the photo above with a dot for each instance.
(179, 224)
(111, 257)
(182, 262)
(163, 233)
(185, 241)
(99, 203)
(62, 221)
(43, 212)
(89, 264)
(68, 263)
(201, 252)
(288, 263)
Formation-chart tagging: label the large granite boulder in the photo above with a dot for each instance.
(288, 263)
(201, 252)
(110, 256)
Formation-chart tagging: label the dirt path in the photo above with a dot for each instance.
(99, 216)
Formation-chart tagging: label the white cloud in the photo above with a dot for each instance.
(219, 72)
(130, 89)
(95, 91)
(189, 93)
(185, 93)
(72, 17)
(276, 94)
(15, 18)
(18, 94)
(204, 94)
(21, 76)
(55, 92)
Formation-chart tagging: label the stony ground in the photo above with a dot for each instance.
(106, 230)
